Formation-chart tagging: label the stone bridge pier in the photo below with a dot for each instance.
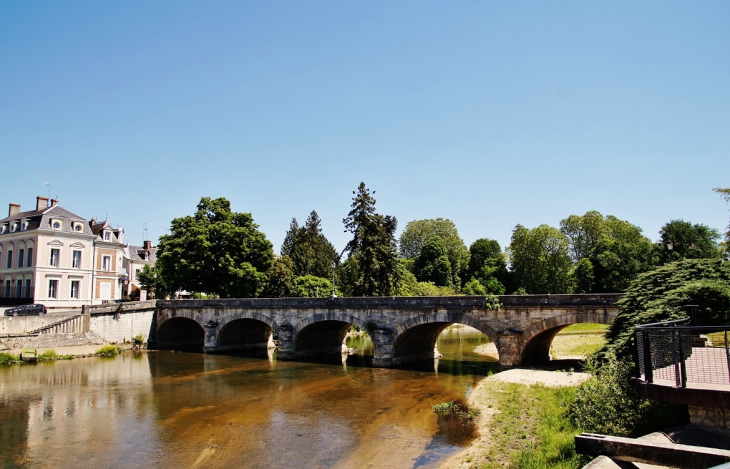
(403, 329)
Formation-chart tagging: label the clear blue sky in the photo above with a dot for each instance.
(487, 113)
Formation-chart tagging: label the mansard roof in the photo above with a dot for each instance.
(41, 220)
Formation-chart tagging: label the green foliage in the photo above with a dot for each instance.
(474, 287)
(606, 404)
(8, 359)
(682, 240)
(725, 194)
(108, 351)
(48, 355)
(488, 265)
(491, 302)
(418, 232)
(281, 277)
(152, 280)
(372, 266)
(432, 264)
(454, 409)
(215, 251)
(138, 340)
(607, 252)
(540, 260)
(662, 294)
(309, 286)
(309, 250)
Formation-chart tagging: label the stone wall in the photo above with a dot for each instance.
(710, 417)
(119, 328)
(16, 325)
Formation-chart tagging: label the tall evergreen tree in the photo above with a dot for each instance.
(310, 251)
(372, 264)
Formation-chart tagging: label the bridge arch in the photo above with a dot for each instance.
(181, 331)
(245, 330)
(323, 333)
(539, 336)
(416, 337)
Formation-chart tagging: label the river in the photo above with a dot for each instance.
(172, 409)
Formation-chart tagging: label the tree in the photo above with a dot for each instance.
(215, 251)
(151, 280)
(416, 234)
(372, 268)
(488, 265)
(432, 264)
(682, 240)
(661, 295)
(310, 251)
(583, 233)
(725, 194)
(539, 259)
(280, 278)
(309, 286)
(607, 253)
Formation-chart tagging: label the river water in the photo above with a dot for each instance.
(171, 409)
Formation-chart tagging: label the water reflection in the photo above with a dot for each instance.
(170, 409)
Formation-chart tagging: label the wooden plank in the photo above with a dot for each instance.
(643, 451)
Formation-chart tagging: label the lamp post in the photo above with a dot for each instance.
(333, 295)
(154, 289)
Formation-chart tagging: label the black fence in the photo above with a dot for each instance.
(681, 354)
(14, 292)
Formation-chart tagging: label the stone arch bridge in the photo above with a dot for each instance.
(403, 329)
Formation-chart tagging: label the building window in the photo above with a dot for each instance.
(19, 288)
(106, 263)
(78, 227)
(30, 258)
(55, 253)
(10, 259)
(76, 260)
(21, 254)
(56, 225)
(75, 285)
(7, 288)
(28, 289)
(53, 289)
(107, 236)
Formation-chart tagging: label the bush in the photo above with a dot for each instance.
(606, 404)
(48, 355)
(108, 351)
(138, 340)
(8, 359)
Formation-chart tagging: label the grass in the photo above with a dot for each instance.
(108, 351)
(579, 340)
(531, 429)
(8, 359)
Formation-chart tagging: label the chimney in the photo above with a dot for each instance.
(41, 203)
(13, 210)
(54, 202)
(148, 245)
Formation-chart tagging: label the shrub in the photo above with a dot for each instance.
(8, 359)
(108, 351)
(606, 404)
(138, 340)
(48, 355)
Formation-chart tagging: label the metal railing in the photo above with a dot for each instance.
(7, 291)
(680, 354)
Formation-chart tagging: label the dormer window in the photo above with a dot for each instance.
(24, 226)
(77, 228)
(3, 228)
(14, 227)
(56, 224)
(107, 236)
